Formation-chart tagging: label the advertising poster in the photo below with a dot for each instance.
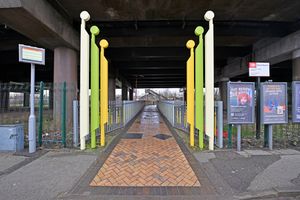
(274, 103)
(296, 101)
(240, 99)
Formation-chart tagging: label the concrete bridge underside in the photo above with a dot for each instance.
(147, 39)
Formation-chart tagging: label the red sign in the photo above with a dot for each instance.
(258, 69)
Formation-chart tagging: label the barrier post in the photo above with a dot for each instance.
(41, 108)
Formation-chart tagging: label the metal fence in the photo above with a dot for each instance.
(115, 113)
(52, 110)
(131, 109)
(284, 135)
(121, 112)
(180, 118)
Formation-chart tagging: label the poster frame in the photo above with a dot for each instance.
(252, 84)
(262, 91)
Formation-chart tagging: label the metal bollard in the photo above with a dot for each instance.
(75, 123)
(270, 139)
(239, 137)
(220, 123)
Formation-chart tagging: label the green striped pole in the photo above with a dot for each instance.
(41, 107)
(199, 85)
(94, 86)
(63, 114)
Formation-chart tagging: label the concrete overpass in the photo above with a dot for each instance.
(147, 38)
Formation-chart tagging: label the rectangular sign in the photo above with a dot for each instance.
(296, 101)
(29, 54)
(274, 109)
(240, 100)
(258, 69)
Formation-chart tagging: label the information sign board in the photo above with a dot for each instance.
(29, 54)
(259, 69)
(296, 101)
(274, 103)
(240, 99)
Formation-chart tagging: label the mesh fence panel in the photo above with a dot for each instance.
(14, 108)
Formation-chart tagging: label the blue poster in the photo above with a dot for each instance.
(296, 101)
(240, 96)
(274, 103)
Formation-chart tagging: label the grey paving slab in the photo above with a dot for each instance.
(203, 157)
(243, 153)
(8, 160)
(279, 174)
(296, 181)
(239, 171)
(286, 152)
(45, 178)
(258, 152)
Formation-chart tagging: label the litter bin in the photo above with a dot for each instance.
(12, 137)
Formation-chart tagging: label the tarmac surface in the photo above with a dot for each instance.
(222, 174)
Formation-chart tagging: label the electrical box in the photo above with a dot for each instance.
(12, 137)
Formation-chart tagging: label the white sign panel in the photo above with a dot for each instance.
(29, 54)
(258, 69)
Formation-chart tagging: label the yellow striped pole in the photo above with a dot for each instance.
(190, 64)
(104, 91)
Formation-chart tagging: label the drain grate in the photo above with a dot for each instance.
(162, 136)
(133, 136)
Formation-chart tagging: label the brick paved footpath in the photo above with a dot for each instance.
(147, 155)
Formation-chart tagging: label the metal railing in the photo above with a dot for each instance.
(167, 109)
(115, 113)
(175, 113)
(53, 123)
(180, 118)
(131, 109)
(284, 135)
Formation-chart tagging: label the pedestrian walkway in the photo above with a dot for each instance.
(147, 155)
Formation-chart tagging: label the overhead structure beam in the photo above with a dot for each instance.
(166, 28)
(39, 21)
(274, 53)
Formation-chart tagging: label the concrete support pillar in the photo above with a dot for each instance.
(26, 99)
(4, 97)
(223, 91)
(65, 70)
(296, 65)
(51, 97)
(111, 89)
(124, 92)
(130, 94)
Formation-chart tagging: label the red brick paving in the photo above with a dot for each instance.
(148, 161)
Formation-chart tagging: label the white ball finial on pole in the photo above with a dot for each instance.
(84, 15)
(209, 15)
